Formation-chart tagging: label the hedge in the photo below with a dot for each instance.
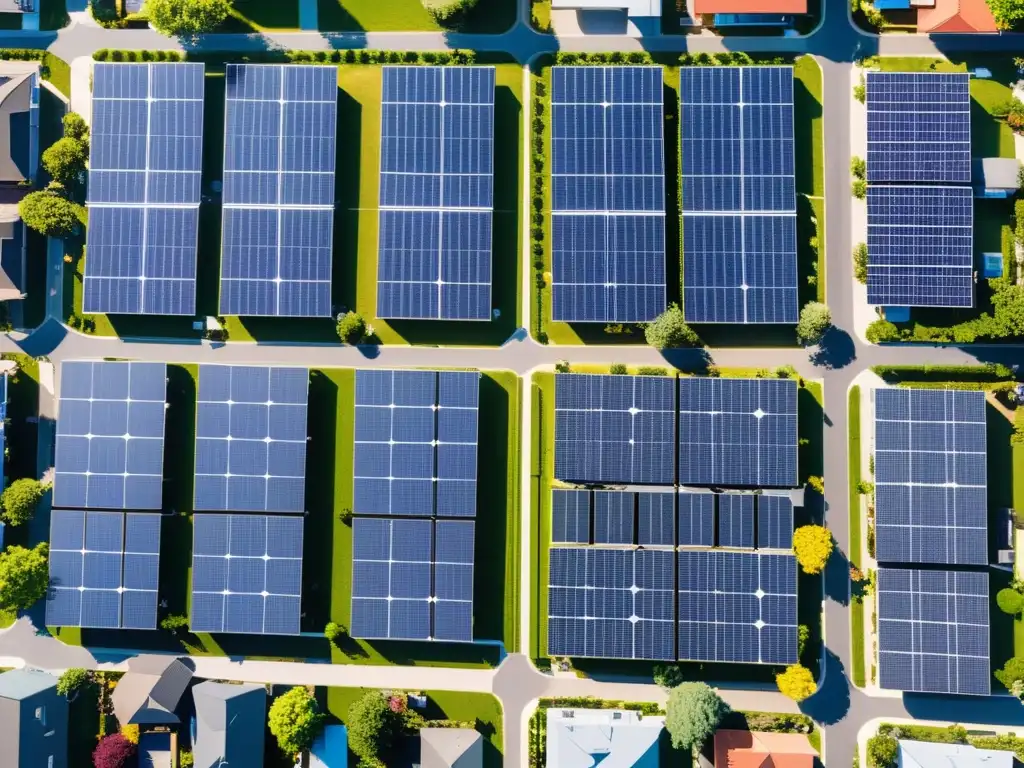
(985, 372)
(348, 56)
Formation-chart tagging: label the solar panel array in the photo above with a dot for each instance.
(416, 443)
(251, 439)
(696, 519)
(412, 579)
(110, 435)
(933, 631)
(608, 194)
(570, 516)
(736, 520)
(280, 126)
(919, 127)
(246, 574)
(656, 525)
(104, 570)
(738, 195)
(931, 500)
(614, 514)
(774, 522)
(145, 166)
(436, 193)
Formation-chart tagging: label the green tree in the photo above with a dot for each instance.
(815, 320)
(859, 189)
(71, 681)
(692, 714)
(817, 483)
(295, 720)
(333, 631)
(883, 751)
(1008, 13)
(1010, 601)
(1012, 673)
(373, 727)
(352, 328)
(24, 576)
(446, 12)
(75, 127)
(173, 623)
(20, 499)
(184, 18)
(668, 675)
(813, 546)
(858, 167)
(49, 213)
(860, 263)
(882, 330)
(796, 682)
(669, 330)
(65, 160)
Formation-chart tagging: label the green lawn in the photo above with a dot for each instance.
(259, 15)
(489, 16)
(857, 604)
(540, 15)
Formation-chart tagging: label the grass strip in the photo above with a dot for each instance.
(857, 604)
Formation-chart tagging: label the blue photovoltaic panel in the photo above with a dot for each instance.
(453, 580)
(570, 516)
(246, 574)
(614, 429)
(737, 606)
(145, 163)
(921, 246)
(251, 439)
(738, 432)
(104, 570)
(416, 443)
(614, 512)
(931, 499)
(608, 188)
(436, 193)
(736, 520)
(774, 522)
(919, 127)
(110, 435)
(280, 127)
(933, 631)
(738, 195)
(611, 603)
(656, 519)
(696, 519)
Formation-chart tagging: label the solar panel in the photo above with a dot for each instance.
(921, 246)
(738, 607)
(110, 435)
(145, 167)
(251, 439)
(931, 499)
(614, 512)
(656, 519)
(280, 126)
(453, 580)
(736, 520)
(611, 603)
(738, 432)
(570, 516)
(738, 194)
(608, 194)
(104, 570)
(919, 127)
(436, 197)
(246, 574)
(774, 522)
(696, 519)
(416, 442)
(614, 429)
(933, 631)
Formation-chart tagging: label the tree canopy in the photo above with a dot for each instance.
(295, 720)
(883, 751)
(65, 160)
(49, 213)
(815, 320)
(1012, 673)
(669, 330)
(446, 11)
(796, 682)
(692, 714)
(75, 127)
(71, 680)
(813, 546)
(352, 328)
(114, 751)
(1008, 14)
(184, 18)
(19, 500)
(24, 576)
(373, 727)
(1010, 601)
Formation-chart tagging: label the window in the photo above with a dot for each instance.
(41, 715)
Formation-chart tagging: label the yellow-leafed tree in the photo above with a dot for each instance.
(796, 682)
(813, 545)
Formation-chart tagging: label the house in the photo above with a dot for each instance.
(748, 749)
(611, 738)
(451, 748)
(150, 691)
(330, 748)
(924, 754)
(633, 8)
(748, 12)
(955, 16)
(227, 716)
(33, 721)
(995, 176)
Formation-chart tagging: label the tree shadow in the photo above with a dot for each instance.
(348, 149)
(831, 702)
(836, 350)
(318, 537)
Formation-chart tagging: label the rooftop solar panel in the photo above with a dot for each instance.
(454, 542)
(436, 197)
(736, 520)
(920, 246)
(933, 631)
(931, 501)
(919, 127)
(110, 435)
(738, 195)
(656, 519)
(614, 429)
(774, 522)
(608, 188)
(280, 127)
(614, 513)
(246, 574)
(251, 439)
(738, 432)
(696, 519)
(145, 168)
(570, 516)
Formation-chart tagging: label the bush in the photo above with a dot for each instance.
(71, 681)
(352, 328)
(651, 370)
(813, 547)
(20, 499)
(669, 330)
(668, 675)
(130, 732)
(373, 727)
(114, 751)
(24, 576)
(295, 720)
(618, 369)
(1010, 601)
(882, 330)
(860, 263)
(65, 160)
(174, 622)
(883, 751)
(186, 760)
(1008, 14)
(803, 634)
(447, 11)
(796, 683)
(815, 320)
(333, 631)
(860, 91)
(75, 127)
(184, 18)
(858, 167)
(859, 189)
(692, 714)
(817, 483)
(49, 213)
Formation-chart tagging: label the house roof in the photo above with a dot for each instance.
(747, 749)
(149, 693)
(785, 7)
(923, 754)
(451, 748)
(19, 684)
(956, 16)
(995, 173)
(16, 82)
(611, 738)
(226, 717)
(635, 8)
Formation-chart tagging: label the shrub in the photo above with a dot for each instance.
(186, 760)
(651, 370)
(860, 263)
(65, 160)
(71, 681)
(20, 500)
(352, 328)
(333, 631)
(1010, 601)
(882, 330)
(803, 634)
(373, 727)
(883, 751)
(858, 167)
(859, 189)
(448, 11)
(668, 675)
(75, 127)
(813, 546)
(796, 683)
(669, 330)
(130, 732)
(24, 576)
(860, 91)
(817, 483)
(50, 213)
(174, 622)
(618, 369)
(114, 751)
(295, 720)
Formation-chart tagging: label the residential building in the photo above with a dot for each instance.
(925, 754)
(611, 738)
(33, 721)
(633, 8)
(451, 748)
(748, 12)
(227, 716)
(954, 16)
(151, 690)
(753, 749)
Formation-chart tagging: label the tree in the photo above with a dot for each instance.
(796, 682)
(76, 128)
(858, 167)
(882, 330)
(130, 732)
(1010, 601)
(373, 727)
(71, 681)
(184, 18)
(692, 714)
(295, 720)
(813, 545)
(815, 320)
(113, 751)
(859, 189)
(24, 576)
(1012, 673)
(669, 330)
(20, 499)
(65, 160)
(668, 675)
(352, 328)
(49, 213)
(803, 634)
(448, 11)
(883, 751)
(173, 623)
(817, 483)
(333, 631)
(1008, 14)
(860, 262)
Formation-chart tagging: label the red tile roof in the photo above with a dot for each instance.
(743, 749)
(956, 16)
(787, 7)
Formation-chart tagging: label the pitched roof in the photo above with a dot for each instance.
(149, 693)
(20, 684)
(611, 738)
(746, 749)
(923, 754)
(226, 717)
(956, 16)
(16, 82)
(787, 7)
(451, 748)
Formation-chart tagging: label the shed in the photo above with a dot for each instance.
(991, 265)
(995, 176)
